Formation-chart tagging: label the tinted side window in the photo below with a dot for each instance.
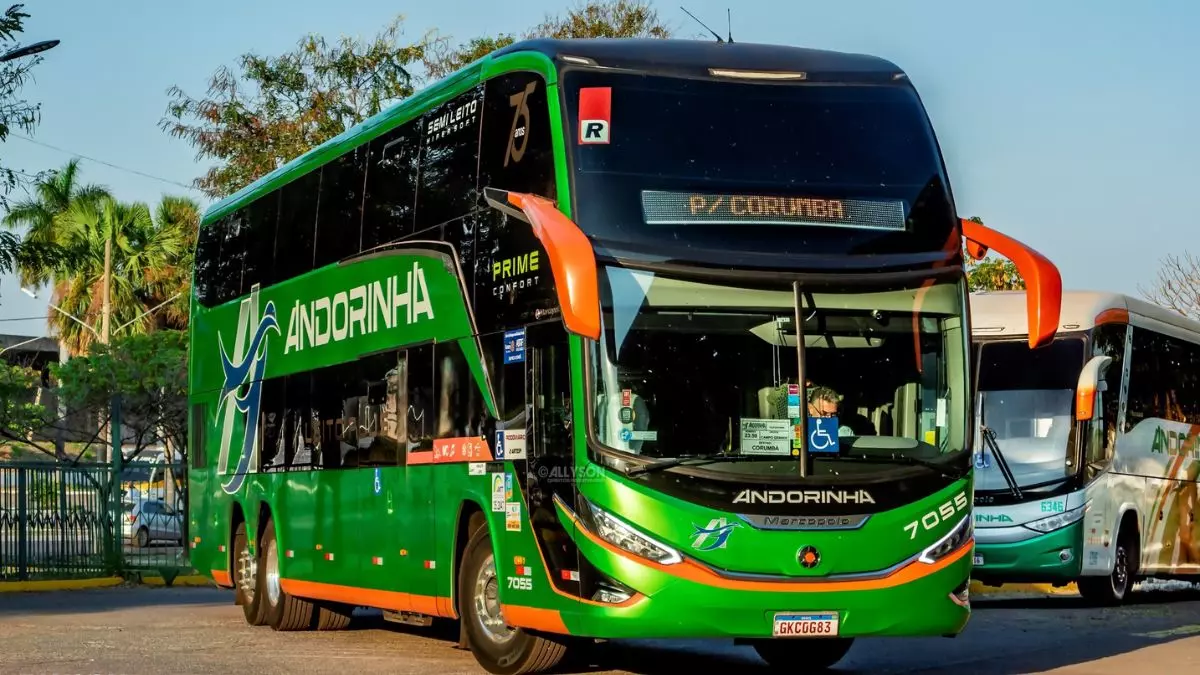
(460, 408)
(421, 418)
(377, 399)
(515, 149)
(339, 211)
(449, 160)
(302, 437)
(297, 226)
(228, 283)
(1160, 383)
(391, 191)
(271, 453)
(207, 261)
(259, 236)
(1109, 340)
(513, 284)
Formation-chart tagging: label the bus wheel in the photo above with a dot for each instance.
(498, 647)
(282, 611)
(245, 571)
(803, 655)
(331, 616)
(1112, 589)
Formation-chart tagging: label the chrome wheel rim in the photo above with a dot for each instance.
(1120, 573)
(273, 589)
(487, 604)
(247, 569)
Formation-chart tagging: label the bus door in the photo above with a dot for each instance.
(550, 468)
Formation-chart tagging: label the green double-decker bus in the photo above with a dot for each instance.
(600, 339)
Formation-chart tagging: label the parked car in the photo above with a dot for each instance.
(151, 520)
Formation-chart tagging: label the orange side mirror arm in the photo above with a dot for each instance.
(1043, 284)
(572, 258)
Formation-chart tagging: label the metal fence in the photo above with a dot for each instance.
(60, 520)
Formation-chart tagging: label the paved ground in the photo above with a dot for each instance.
(198, 630)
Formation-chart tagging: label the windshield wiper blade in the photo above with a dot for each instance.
(989, 439)
(899, 459)
(663, 464)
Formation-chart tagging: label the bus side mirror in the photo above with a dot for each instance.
(1042, 281)
(1091, 380)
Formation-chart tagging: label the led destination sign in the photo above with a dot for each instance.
(688, 208)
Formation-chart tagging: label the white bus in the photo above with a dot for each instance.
(1086, 450)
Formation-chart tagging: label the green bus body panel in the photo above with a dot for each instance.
(1033, 560)
(396, 531)
(355, 287)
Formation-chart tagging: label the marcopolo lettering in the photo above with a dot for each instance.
(361, 310)
(803, 497)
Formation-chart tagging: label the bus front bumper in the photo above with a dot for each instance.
(676, 604)
(1050, 558)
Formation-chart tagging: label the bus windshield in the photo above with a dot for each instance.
(686, 368)
(768, 169)
(1026, 397)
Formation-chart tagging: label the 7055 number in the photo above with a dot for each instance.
(938, 516)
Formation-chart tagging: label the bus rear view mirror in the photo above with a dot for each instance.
(1091, 380)
(1043, 284)
(572, 259)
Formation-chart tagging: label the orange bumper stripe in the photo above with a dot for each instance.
(534, 618)
(366, 597)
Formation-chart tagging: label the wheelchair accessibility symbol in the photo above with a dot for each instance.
(823, 435)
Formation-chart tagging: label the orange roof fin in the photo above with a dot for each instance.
(1043, 283)
(572, 258)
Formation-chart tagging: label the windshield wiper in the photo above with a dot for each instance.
(898, 459)
(989, 439)
(662, 464)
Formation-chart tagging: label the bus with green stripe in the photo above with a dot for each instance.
(1086, 452)
(600, 339)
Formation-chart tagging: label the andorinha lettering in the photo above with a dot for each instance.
(780, 207)
(803, 497)
(361, 310)
(1181, 444)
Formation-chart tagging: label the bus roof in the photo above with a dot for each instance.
(638, 54)
(689, 56)
(1003, 313)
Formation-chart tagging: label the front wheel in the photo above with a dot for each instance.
(498, 647)
(811, 655)
(1112, 589)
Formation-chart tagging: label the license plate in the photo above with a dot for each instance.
(824, 624)
(978, 561)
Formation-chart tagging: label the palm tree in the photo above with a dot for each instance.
(172, 284)
(52, 197)
(143, 252)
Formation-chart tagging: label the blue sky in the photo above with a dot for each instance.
(1068, 125)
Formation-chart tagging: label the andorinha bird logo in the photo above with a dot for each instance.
(714, 536)
(241, 393)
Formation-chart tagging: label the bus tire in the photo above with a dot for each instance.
(282, 611)
(497, 647)
(812, 655)
(245, 578)
(1114, 588)
(334, 616)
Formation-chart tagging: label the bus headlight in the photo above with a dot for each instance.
(950, 543)
(1057, 521)
(616, 532)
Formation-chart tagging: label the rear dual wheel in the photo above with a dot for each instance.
(281, 610)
